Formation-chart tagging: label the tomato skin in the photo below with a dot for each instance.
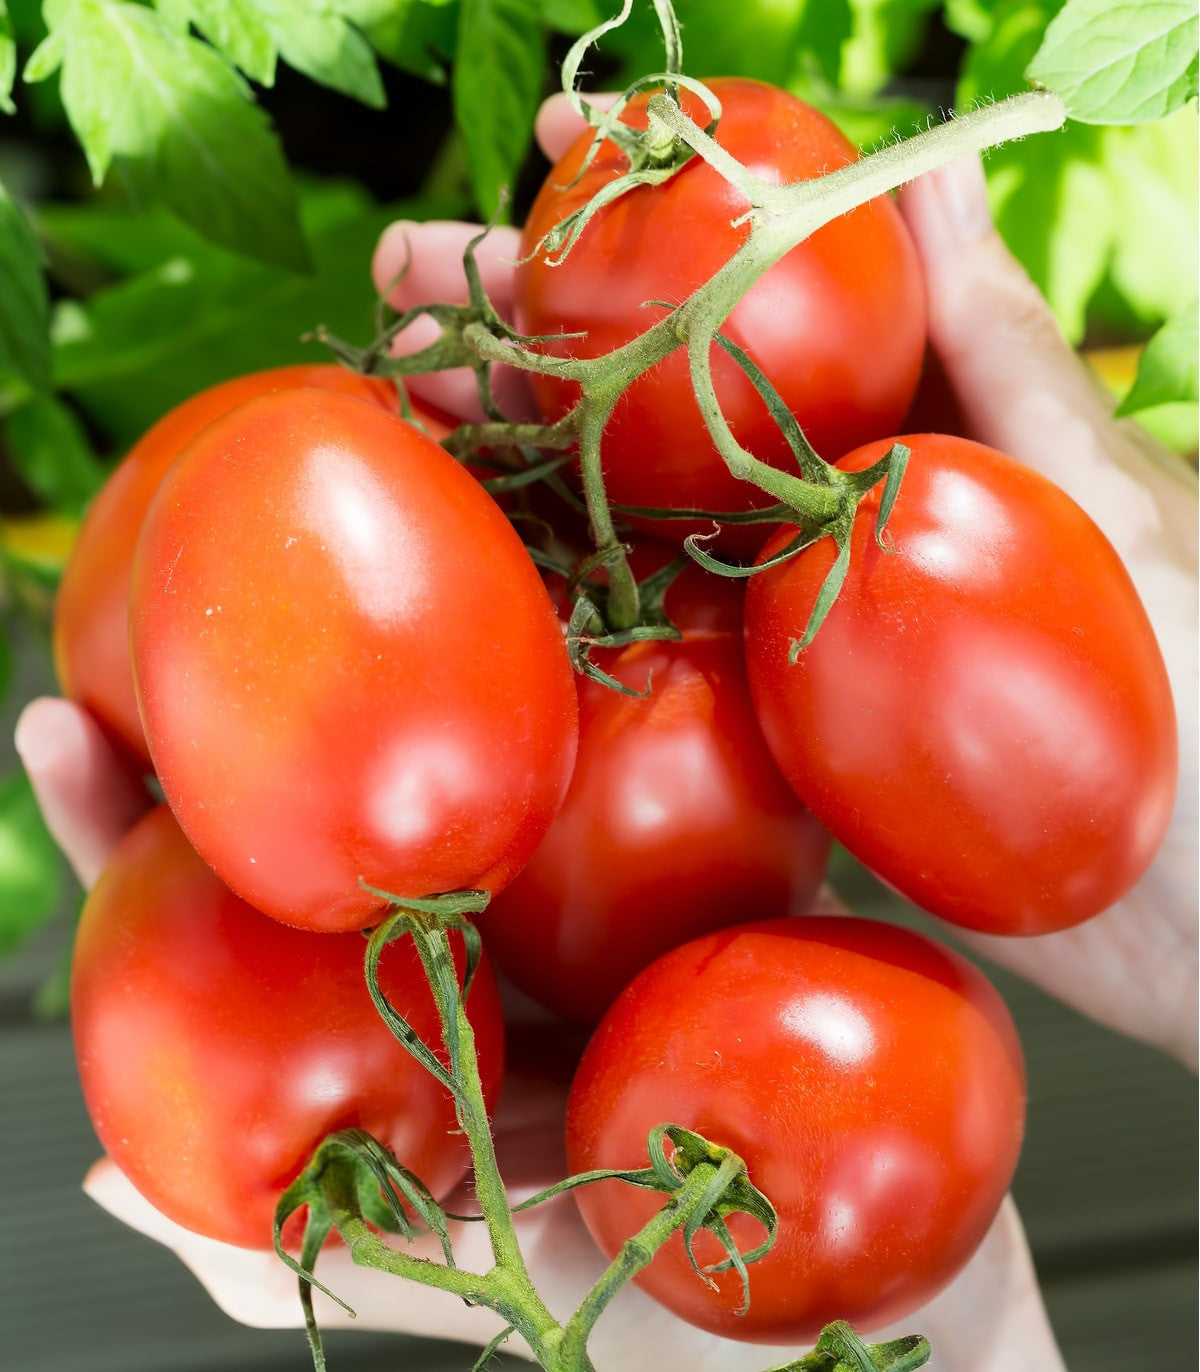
(871, 1080)
(91, 615)
(676, 820)
(217, 1047)
(347, 664)
(984, 719)
(838, 324)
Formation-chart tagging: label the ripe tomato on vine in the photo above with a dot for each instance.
(838, 324)
(984, 718)
(347, 665)
(217, 1047)
(91, 608)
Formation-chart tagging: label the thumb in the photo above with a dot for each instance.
(1018, 382)
(1019, 385)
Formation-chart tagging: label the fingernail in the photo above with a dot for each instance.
(963, 192)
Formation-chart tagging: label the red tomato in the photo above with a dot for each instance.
(676, 821)
(838, 324)
(347, 664)
(217, 1047)
(91, 621)
(871, 1080)
(984, 719)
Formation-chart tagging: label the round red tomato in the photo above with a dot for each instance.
(838, 324)
(871, 1081)
(984, 719)
(217, 1048)
(676, 821)
(91, 617)
(347, 664)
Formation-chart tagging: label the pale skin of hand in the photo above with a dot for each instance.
(1021, 389)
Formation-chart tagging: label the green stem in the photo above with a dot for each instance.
(622, 609)
(508, 1288)
(637, 1253)
(780, 217)
(368, 1249)
(469, 438)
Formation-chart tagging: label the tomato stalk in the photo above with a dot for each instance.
(352, 1181)
(637, 1252)
(839, 1349)
(779, 218)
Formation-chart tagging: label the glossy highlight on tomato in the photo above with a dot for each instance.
(676, 821)
(91, 613)
(870, 1079)
(217, 1047)
(347, 665)
(838, 324)
(984, 719)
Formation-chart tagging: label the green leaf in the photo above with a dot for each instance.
(1153, 173)
(8, 61)
(573, 16)
(192, 315)
(995, 63)
(178, 124)
(1167, 372)
(782, 41)
(970, 19)
(1049, 195)
(234, 27)
(30, 865)
(24, 302)
(419, 36)
(1121, 61)
(1089, 211)
(823, 29)
(887, 35)
(497, 84)
(315, 40)
(50, 450)
(1052, 204)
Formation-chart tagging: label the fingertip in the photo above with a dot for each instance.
(558, 124)
(947, 208)
(51, 733)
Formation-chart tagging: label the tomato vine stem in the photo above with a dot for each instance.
(778, 218)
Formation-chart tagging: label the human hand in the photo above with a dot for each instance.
(1020, 388)
(991, 1310)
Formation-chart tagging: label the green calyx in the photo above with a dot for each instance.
(840, 1349)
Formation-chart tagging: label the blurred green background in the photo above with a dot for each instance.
(151, 246)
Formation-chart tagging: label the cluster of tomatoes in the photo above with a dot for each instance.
(326, 640)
